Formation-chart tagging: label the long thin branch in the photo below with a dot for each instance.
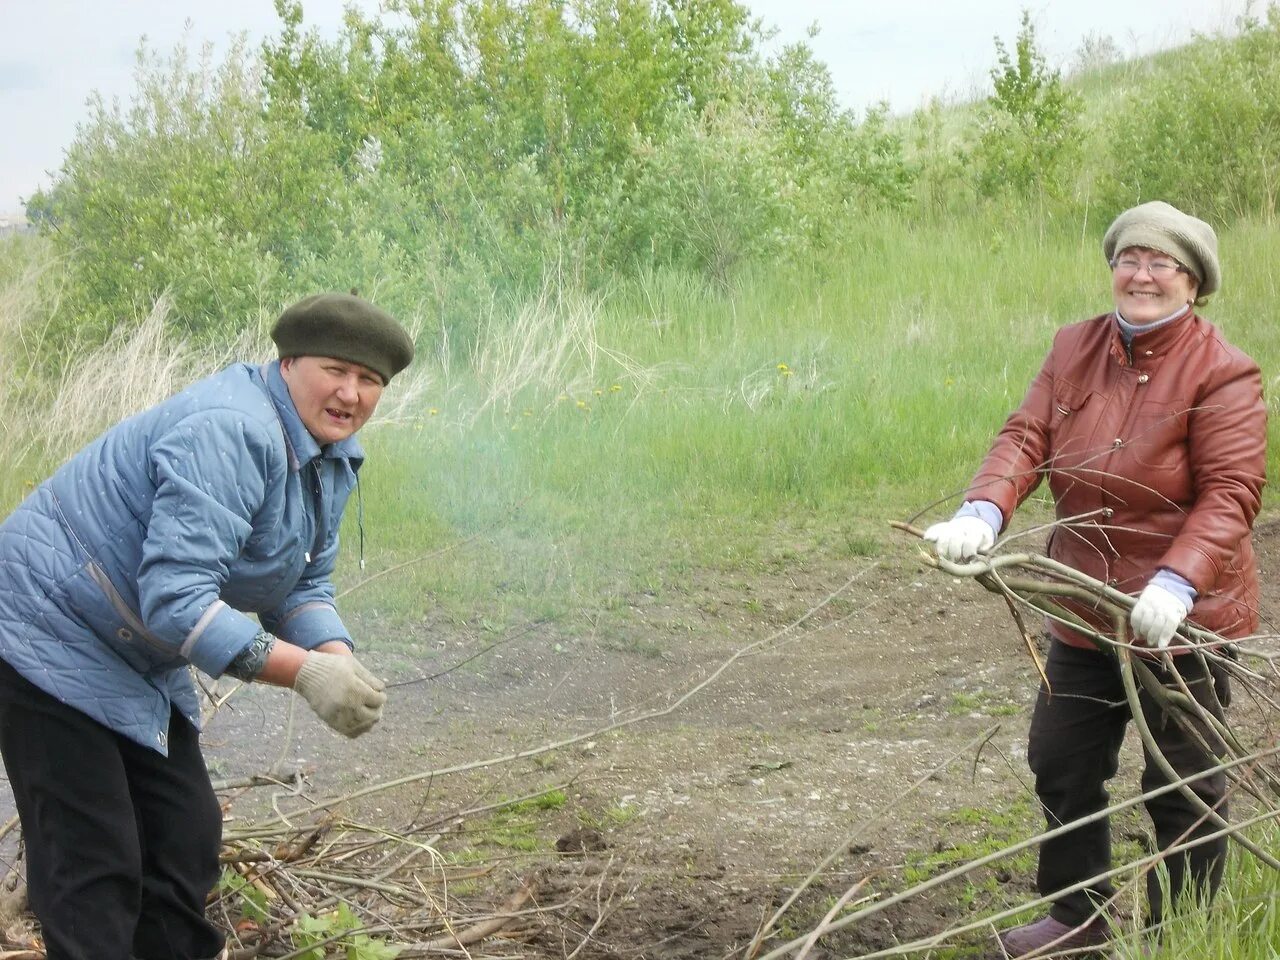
(932, 942)
(842, 847)
(1149, 740)
(1021, 845)
(272, 825)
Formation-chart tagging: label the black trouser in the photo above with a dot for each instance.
(1074, 749)
(122, 843)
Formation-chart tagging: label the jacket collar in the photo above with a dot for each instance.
(301, 445)
(1152, 344)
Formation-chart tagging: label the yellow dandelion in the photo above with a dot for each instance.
(615, 388)
(949, 382)
(598, 392)
(786, 373)
(434, 412)
(582, 405)
(782, 367)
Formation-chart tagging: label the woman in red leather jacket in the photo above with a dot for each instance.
(1151, 430)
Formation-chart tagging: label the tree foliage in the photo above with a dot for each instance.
(447, 152)
(447, 155)
(1209, 136)
(1029, 131)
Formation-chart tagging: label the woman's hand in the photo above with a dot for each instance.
(1156, 616)
(341, 691)
(962, 538)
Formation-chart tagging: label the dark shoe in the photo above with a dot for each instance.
(1048, 936)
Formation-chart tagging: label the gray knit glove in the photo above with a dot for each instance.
(341, 691)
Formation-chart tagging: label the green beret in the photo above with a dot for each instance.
(345, 327)
(1160, 226)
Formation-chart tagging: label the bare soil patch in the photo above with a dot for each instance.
(680, 834)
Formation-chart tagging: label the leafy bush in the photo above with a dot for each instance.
(714, 192)
(450, 153)
(1207, 138)
(1029, 131)
(194, 191)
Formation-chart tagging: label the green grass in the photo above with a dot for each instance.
(1241, 921)
(963, 704)
(902, 357)
(978, 832)
(518, 826)
(749, 431)
(609, 817)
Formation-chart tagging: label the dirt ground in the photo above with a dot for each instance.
(699, 823)
(687, 830)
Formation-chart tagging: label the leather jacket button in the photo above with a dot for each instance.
(1108, 513)
(1117, 442)
(1143, 378)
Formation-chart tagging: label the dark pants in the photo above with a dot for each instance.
(1074, 749)
(122, 843)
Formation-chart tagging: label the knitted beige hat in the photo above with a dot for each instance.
(1160, 226)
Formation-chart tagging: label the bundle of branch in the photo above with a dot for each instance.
(1032, 582)
(1035, 584)
(316, 885)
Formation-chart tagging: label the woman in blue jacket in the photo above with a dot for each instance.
(145, 554)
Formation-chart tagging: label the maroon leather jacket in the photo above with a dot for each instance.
(1156, 457)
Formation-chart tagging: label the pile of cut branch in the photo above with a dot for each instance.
(320, 884)
(315, 883)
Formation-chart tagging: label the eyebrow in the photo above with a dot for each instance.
(358, 369)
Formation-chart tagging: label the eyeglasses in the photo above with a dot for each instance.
(1159, 269)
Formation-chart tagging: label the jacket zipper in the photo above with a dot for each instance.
(321, 519)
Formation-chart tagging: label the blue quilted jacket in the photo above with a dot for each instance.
(146, 551)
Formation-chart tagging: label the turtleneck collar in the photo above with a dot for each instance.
(1147, 342)
(1130, 330)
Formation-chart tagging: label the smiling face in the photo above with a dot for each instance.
(1143, 297)
(334, 398)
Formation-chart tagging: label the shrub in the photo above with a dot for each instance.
(189, 192)
(454, 152)
(1028, 133)
(1207, 141)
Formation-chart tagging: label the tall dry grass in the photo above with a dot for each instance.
(551, 345)
(50, 410)
(134, 370)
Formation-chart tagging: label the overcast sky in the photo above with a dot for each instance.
(53, 53)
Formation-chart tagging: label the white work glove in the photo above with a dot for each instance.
(1156, 616)
(961, 539)
(341, 691)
